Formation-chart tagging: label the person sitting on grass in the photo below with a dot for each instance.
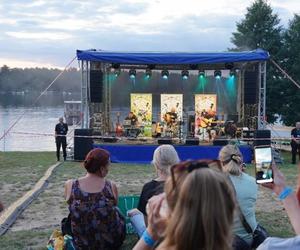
(193, 218)
(246, 194)
(292, 206)
(164, 157)
(95, 220)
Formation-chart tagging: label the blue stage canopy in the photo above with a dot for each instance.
(171, 57)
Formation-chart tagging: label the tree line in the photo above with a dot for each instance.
(37, 79)
(261, 28)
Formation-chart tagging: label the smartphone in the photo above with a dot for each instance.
(263, 164)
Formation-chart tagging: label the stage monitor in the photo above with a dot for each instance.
(164, 141)
(192, 141)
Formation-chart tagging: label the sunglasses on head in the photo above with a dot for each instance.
(190, 166)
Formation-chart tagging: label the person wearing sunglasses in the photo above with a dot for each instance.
(246, 194)
(200, 203)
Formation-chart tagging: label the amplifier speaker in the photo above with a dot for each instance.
(164, 141)
(96, 85)
(109, 139)
(251, 86)
(263, 136)
(82, 145)
(192, 141)
(220, 141)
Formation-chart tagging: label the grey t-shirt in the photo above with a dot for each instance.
(273, 243)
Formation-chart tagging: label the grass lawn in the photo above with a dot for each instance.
(33, 228)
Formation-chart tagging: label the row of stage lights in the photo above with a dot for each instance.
(165, 74)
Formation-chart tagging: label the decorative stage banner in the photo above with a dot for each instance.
(171, 114)
(141, 106)
(205, 113)
(171, 103)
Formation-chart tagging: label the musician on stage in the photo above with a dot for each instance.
(132, 118)
(171, 117)
(295, 142)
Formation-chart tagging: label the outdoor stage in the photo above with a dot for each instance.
(144, 153)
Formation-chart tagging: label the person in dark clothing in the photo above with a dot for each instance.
(61, 129)
(164, 157)
(295, 142)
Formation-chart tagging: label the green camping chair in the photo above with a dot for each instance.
(125, 204)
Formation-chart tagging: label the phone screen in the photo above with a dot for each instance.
(263, 164)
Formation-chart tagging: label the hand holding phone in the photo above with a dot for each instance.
(263, 164)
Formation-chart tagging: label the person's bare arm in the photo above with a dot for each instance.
(68, 189)
(115, 191)
(290, 203)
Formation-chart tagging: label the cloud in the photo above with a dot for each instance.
(39, 35)
(51, 31)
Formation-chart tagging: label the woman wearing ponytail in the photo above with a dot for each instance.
(95, 220)
(246, 194)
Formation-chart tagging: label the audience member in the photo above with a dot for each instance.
(192, 219)
(164, 157)
(95, 220)
(292, 207)
(246, 194)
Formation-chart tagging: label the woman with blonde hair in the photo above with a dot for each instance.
(246, 194)
(201, 205)
(164, 157)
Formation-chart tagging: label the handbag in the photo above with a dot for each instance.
(66, 226)
(259, 235)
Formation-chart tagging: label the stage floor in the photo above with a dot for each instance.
(121, 153)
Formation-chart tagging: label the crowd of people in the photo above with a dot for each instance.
(196, 204)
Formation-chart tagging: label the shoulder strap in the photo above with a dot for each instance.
(242, 217)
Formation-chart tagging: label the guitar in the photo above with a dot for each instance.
(204, 122)
(119, 129)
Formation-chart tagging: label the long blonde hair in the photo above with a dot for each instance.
(203, 214)
(231, 159)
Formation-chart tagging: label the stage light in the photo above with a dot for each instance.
(148, 73)
(132, 73)
(193, 66)
(115, 65)
(229, 65)
(201, 74)
(117, 72)
(218, 74)
(232, 73)
(165, 74)
(185, 74)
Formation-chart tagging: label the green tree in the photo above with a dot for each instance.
(261, 29)
(291, 62)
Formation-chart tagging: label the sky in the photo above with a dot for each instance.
(46, 33)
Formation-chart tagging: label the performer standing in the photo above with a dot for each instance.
(295, 142)
(61, 129)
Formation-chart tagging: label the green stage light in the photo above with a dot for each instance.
(218, 74)
(148, 74)
(185, 74)
(165, 74)
(201, 74)
(232, 73)
(117, 72)
(132, 73)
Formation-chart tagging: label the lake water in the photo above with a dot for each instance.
(39, 120)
